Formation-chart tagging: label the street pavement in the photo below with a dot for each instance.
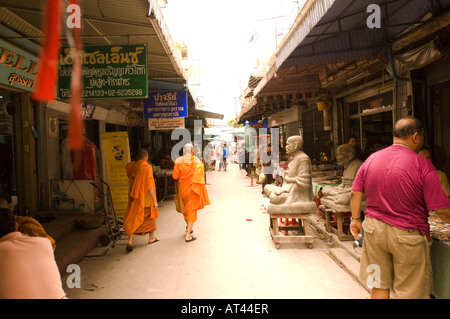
(234, 256)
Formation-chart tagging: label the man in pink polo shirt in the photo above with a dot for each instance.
(27, 265)
(400, 188)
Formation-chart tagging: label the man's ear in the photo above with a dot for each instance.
(415, 138)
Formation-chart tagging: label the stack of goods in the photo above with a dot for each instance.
(439, 229)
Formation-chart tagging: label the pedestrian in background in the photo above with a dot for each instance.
(225, 156)
(400, 188)
(425, 152)
(142, 209)
(359, 154)
(266, 166)
(219, 153)
(188, 170)
(212, 157)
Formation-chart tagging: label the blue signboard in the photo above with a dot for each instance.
(161, 105)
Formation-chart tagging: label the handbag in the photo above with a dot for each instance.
(262, 178)
(179, 203)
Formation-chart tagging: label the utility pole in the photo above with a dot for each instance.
(276, 28)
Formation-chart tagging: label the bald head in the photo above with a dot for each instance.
(188, 148)
(142, 154)
(294, 144)
(409, 131)
(345, 153)
(407, 126)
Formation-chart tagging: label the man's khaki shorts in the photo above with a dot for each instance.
(396, 259)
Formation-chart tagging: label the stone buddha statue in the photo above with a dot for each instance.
(295, 196)
(338, 198)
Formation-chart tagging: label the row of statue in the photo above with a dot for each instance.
(296, 195)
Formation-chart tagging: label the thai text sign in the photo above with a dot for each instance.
(17, 67)
(165, 124)
(110, 71)
(161, 105)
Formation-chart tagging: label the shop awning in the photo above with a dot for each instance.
(341, 32)
(335, 32)
(115, 22)
(206, 114)
(331, 31)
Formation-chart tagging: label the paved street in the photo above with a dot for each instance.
(233, 256)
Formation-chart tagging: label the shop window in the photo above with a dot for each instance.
(377, 103)
(377, 131)
(373, 125)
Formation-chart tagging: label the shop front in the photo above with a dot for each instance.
(18, 130)
(69, 174)
(370, 115)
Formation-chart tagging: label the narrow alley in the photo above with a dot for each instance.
(233, 257)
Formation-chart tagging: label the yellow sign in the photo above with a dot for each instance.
(132, 119)
(116, 154)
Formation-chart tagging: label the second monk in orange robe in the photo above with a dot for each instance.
(142, 207)
(189, 172)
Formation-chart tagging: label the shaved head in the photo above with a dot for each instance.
(188, 148)
(407, 126)
(142, 154)
(409, 131)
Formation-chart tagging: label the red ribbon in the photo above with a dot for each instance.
(76, 123)
(48, 60)
(46, 79)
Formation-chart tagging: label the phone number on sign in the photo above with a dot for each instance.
(112, 93)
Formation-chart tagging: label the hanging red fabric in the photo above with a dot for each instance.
(48, 60)
(76, 123)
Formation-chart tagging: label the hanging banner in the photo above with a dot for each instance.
(166, 124)
(109, 71)
(116, 154)
(171, 104)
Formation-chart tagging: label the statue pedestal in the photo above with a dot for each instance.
(343, 214)
(342, 220)
(298, 211)
(300, 229)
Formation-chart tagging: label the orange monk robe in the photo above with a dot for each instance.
(140, 215)
(189, 172)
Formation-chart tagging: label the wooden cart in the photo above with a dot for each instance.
(300, 229)
(342, 222)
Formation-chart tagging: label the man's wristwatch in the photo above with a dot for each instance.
(355, 219)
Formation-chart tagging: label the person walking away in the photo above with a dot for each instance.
(188, 170)
(266, 166)
(400, 188)
(27, 264)
(225, 156)
(241, 156)
(219, 153)
(213, 157)
(142, 209)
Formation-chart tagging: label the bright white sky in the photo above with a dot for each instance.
(217, 33)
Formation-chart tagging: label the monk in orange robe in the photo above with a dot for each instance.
(189, 171)
(142, 207)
